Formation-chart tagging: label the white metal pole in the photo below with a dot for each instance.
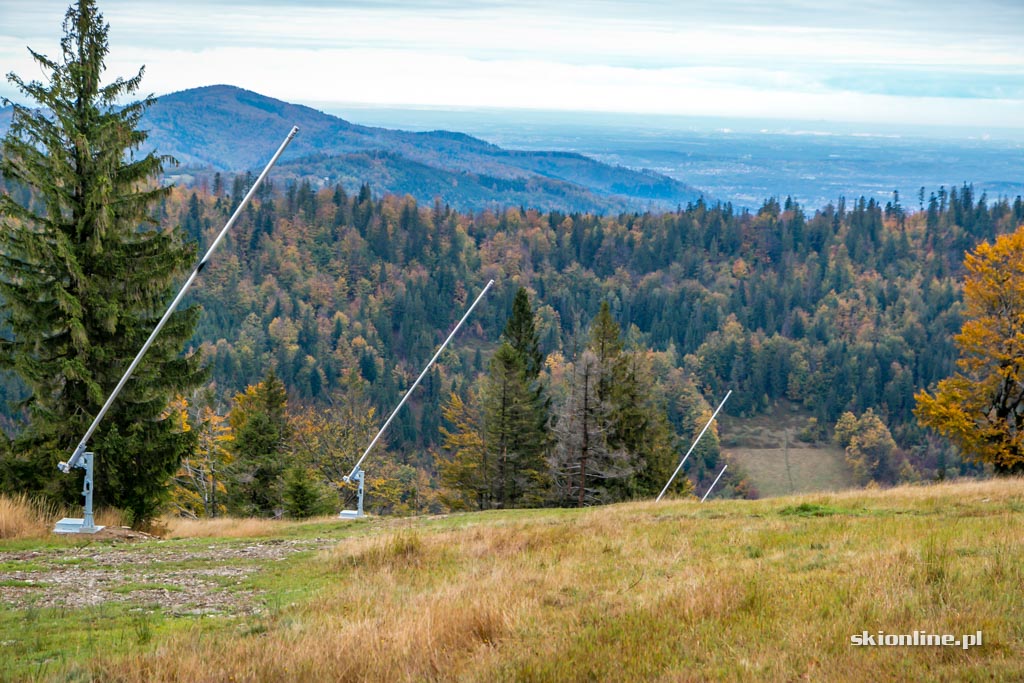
(416, 383)
(708, 492)
(695, 442)
(80, 449)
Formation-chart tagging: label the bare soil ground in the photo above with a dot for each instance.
(112, 566)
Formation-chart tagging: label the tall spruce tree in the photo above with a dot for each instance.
(85, 275)
(606, 343)
(637, 425)
(521, 333)
(259, 420)
(512, 439)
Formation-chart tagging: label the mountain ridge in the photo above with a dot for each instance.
(225, 128)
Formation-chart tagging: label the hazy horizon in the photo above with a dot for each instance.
(907, 63)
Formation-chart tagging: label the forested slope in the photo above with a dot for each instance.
(849, 309)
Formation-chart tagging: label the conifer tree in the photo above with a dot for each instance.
(468, 472)
(514, 444)
(521, 334)
(606, 343)
(259, 421)
(584, 467)
(85, 275)
(304, 495)
(198, 489)
(636, 426)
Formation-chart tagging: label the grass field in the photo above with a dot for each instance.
(675, 591)
(778, 464)
(779, 471)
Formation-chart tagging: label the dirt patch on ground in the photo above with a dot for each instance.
(122, 533)
(173, 576)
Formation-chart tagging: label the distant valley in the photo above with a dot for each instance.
(228, 129)
(572, 161)
(744, 161)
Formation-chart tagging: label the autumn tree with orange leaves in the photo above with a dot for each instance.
(981, 407)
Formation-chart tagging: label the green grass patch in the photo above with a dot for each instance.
(44, 643)
(813, 510)
(21, 566)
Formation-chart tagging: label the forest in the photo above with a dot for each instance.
(323, 306)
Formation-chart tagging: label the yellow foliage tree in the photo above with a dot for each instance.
(466, 475)
(198, 489)
(870, 449)
(328, 441)
(981, 407)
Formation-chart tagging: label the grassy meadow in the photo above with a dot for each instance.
(783, 471)
(673, 591)
(776, 461)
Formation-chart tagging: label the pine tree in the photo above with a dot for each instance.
(259, 421)
(606, 343)
(636, 427)
(640, 427)
(521, 334)
(512, 440)
(304, 495)
(85, 275)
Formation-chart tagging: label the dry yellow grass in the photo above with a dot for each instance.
(110, 517)
(24, 517)
(677, 591)
(228, 527)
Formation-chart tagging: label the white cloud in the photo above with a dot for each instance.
(790, 60)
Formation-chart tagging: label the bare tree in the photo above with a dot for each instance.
(582, 463)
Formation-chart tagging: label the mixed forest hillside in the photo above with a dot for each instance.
(850, 308)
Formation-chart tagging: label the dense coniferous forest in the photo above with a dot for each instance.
(850, 308)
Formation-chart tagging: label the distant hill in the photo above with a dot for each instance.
(390, 172)
(226, 128)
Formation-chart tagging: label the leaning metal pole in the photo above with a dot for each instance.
(416, 384)
(708, 492)
(695, 442)
(80, 449)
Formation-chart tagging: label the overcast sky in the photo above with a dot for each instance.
(944, 62)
